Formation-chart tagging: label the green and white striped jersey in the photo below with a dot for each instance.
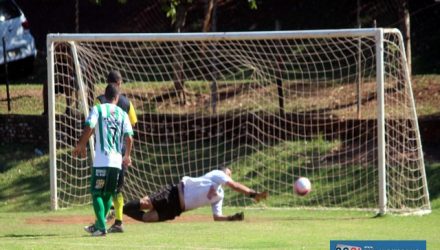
(111, 125)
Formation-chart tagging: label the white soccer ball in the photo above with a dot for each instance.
(302, 186)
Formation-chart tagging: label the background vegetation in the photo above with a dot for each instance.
(27, 98)
(25, 216)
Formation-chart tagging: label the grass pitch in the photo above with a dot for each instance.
(261, 229)
(27, 222)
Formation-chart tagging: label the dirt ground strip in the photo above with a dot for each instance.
(87, 219)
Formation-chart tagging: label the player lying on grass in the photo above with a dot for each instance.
(190, 193)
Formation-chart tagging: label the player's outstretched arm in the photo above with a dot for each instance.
(238, 187)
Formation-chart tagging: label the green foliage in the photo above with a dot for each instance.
(253, 4)
(170, 7)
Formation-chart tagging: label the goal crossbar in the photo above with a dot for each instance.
(215, 36)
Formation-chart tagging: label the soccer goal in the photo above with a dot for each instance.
(335, 106)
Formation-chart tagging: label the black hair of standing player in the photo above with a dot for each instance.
(114, 76)
(111, 92)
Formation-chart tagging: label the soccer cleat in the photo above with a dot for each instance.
(116, 229)
(99, 233)
(90, 229)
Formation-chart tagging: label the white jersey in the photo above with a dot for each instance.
(205, 190)
(111, 125)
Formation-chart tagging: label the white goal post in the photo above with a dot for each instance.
(335, 106)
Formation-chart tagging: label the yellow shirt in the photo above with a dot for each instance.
(125, 104)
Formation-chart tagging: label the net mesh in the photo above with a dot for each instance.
(272, 109)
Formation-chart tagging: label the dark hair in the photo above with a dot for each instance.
(114, 76)
(111, 92)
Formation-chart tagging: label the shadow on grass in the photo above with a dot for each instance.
(433, 175)
(26, 187)
(27, 235)
(335, 218)
(29, 192)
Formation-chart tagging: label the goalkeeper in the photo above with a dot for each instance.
(114, 77)
(188, 194)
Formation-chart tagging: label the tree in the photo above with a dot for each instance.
(405, 24)
(172, 9)
(177, 11)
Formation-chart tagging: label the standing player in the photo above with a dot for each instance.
(112, 127)
(114, 78)
(190, 193)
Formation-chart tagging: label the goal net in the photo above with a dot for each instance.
(335, 106)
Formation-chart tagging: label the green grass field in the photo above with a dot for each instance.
(28, 223)
(262, 229)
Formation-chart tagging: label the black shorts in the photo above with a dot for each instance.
(121, 173)
(166, 202)
(121, 180)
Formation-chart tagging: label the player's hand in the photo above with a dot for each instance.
(261, 196)
(236, 217)
(126, 162)
(79, 151)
